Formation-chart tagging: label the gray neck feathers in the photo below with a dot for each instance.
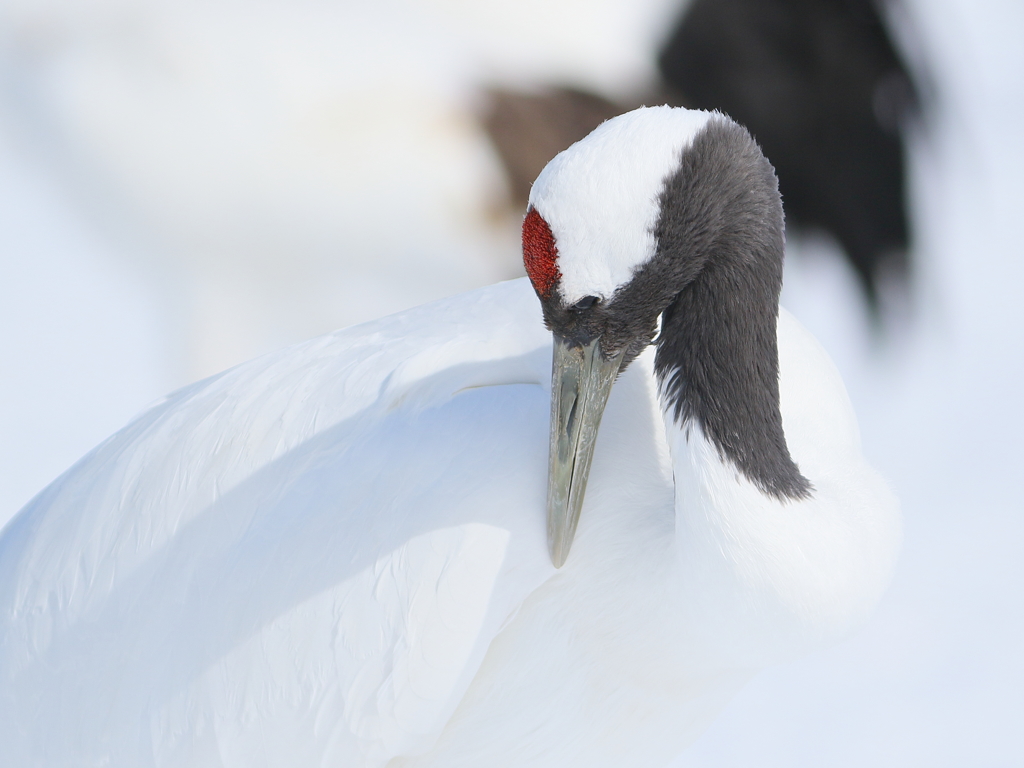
(720, 235)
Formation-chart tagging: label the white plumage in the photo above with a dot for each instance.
(335, 555)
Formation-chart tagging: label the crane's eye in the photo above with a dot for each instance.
(585, 303)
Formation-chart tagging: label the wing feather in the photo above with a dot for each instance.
(300, 561)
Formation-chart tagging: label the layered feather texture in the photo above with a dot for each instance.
(335, 555)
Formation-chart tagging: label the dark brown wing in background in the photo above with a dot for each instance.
(528, 129)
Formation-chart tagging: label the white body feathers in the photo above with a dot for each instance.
(335, 555)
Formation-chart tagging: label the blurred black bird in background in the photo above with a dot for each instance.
(820, 85)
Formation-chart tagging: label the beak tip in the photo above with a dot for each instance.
(559, 544)
(558, 557)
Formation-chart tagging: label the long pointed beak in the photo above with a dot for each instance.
(581, 378)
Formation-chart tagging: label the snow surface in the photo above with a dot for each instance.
(94, 324)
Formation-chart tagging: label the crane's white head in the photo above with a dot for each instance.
(594, 208)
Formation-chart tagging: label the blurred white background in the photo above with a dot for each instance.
(184, 185)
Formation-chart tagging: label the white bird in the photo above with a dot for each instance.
(336, 554)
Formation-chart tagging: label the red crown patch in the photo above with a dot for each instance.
(540, 256)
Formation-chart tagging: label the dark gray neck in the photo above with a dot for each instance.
(717, 360)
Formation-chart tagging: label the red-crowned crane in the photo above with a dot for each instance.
(345, 553)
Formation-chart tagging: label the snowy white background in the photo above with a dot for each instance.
(185, 185)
